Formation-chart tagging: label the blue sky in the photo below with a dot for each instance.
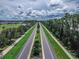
(36, 9)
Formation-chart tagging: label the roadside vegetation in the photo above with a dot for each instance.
(36, 51)
(9, 33)
(66, 30)
(60, 54)
(16, 49)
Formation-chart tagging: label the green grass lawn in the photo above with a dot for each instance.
(7, 26)
(57, 49)
(16, 49)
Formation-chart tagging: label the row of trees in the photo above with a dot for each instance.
(67, 30)
(8, 36)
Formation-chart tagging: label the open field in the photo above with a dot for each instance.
(7, 26)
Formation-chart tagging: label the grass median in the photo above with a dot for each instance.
(60, 54)
(16, 49)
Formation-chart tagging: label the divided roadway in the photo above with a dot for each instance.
(46, 51)
(25, 52)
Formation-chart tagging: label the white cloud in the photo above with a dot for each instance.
(36, 8)
(55, 1)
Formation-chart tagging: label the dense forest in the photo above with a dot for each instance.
(66, 30)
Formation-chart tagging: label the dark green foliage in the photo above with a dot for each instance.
(37, 45)
(36, 49)
(67, 30)
(9, 35)
(16, 49)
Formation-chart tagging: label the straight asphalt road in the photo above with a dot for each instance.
(25, 52)
(47, 52)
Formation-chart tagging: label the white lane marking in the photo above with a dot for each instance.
(23, 50)
(4, 52)
(32, 44)
(42, 44)
(48, 45)
(70, 56)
